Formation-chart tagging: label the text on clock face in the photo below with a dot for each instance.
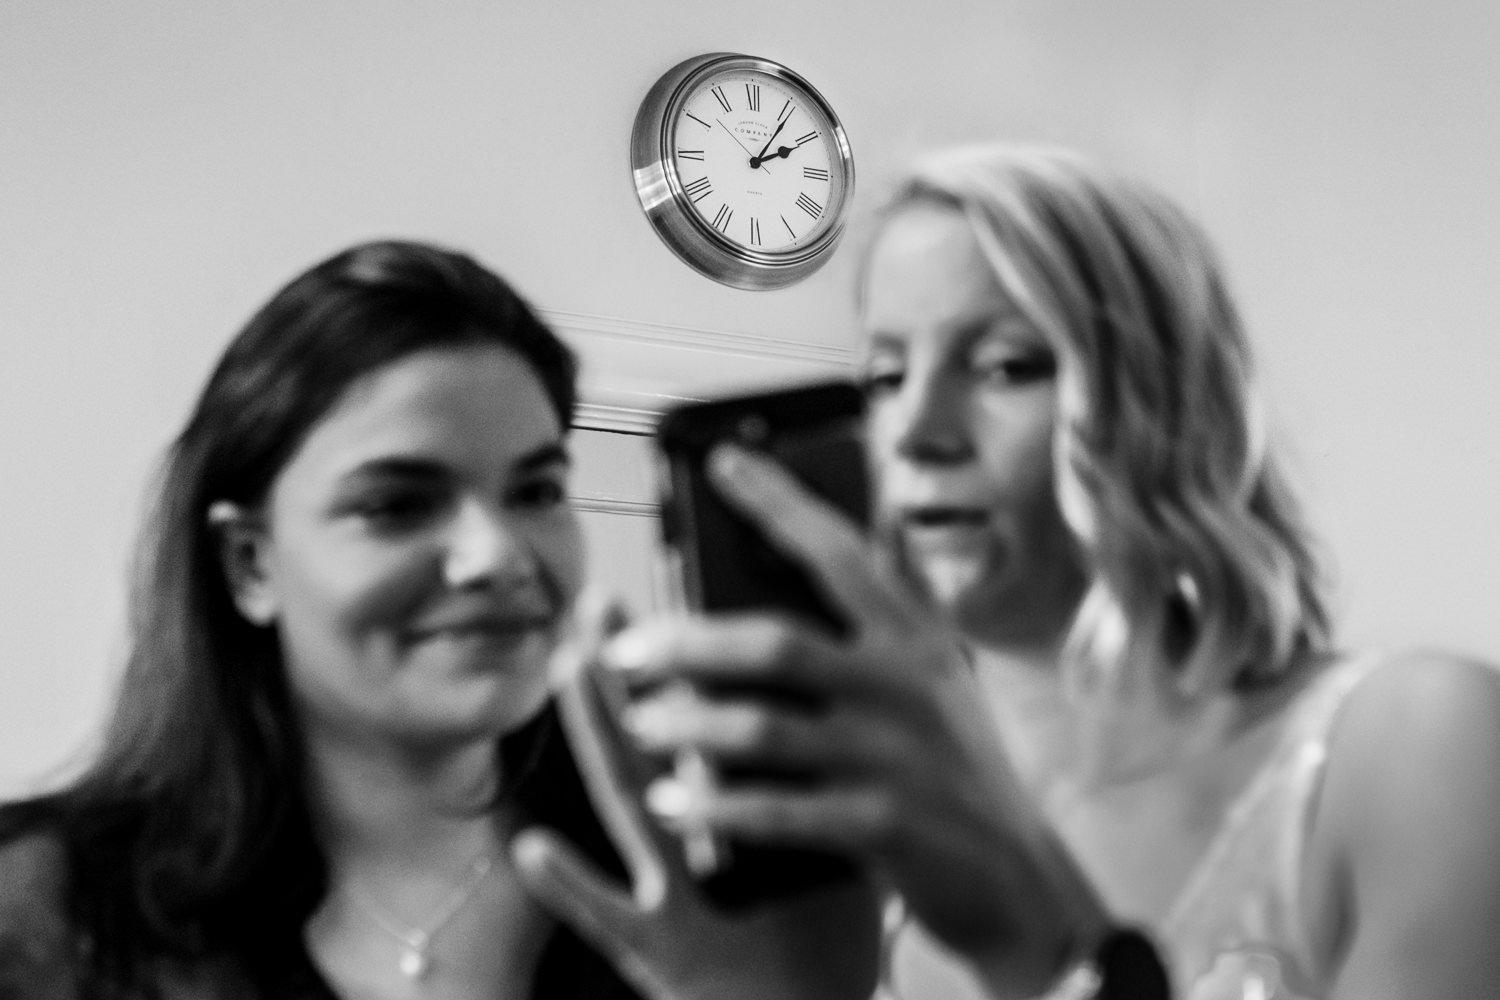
(755, 161)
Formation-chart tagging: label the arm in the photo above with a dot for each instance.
(908, 772)
(1408, 832)
(35, 940)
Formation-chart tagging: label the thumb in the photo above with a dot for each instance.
(598, 614)
(595, 617)
(576, 892)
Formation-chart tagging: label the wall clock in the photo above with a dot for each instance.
(743, 169)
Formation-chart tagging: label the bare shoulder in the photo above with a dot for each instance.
(33, 860)
(33, 880)
(1407, 818)
(1420, 728)
(36, 942)
(1413, 712)
(33, 894)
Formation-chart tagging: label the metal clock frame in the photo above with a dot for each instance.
(668, 207)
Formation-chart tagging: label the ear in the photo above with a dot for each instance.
(242, 556)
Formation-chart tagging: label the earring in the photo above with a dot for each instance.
(1185, 588)
(240, 535)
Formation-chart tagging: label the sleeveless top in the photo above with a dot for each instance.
(1236, 930)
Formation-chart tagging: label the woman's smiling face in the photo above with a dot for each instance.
(418, 553)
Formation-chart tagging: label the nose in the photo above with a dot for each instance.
(484, 549)
(930, 420)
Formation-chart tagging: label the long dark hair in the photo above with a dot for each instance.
(189, 833)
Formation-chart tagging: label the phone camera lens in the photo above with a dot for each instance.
(753, 429)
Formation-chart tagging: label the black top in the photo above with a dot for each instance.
(67, 930)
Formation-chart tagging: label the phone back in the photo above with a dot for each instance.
(725, 563)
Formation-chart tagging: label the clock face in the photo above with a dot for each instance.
(743, 169)
(758, 160)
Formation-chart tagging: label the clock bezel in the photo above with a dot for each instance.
(671, 212)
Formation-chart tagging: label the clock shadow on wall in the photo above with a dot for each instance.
(743, 170)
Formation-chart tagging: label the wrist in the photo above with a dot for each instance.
(1122, 963)
(1054, 941)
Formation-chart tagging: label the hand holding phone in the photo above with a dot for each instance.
(724, 562)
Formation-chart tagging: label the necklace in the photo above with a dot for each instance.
(416, 942)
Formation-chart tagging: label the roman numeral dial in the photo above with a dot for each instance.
(749, 147)
(743, 169)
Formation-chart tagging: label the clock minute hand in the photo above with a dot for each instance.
(756, 161)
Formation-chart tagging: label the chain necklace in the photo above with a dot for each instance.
(416, 942)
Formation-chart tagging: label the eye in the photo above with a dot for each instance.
(394, 511)
(541, 493)
(1009, 363)
(884, 371)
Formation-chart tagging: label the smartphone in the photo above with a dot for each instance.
(723, 562)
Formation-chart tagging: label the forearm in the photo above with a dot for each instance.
(1062, 926)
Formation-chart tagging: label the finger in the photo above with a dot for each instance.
(763, 653)
(753, 731)
(614, 775)
(575, 890)
(596, 616)
(859, 820)
(891, 564)
(599, 612)
(762, 650)
(832, 547)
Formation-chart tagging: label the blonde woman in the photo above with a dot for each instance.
(1097, 687)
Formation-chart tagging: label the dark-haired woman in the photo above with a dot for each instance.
(336, 710)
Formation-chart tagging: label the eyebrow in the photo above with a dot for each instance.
(883, 340)
(965, 334)
(552, 453)
(1006, 325)
(397, 467)
(430, 470)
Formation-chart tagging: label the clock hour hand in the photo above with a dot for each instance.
(783, 151)
(756, 161)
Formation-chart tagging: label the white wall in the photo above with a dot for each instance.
(165, 164)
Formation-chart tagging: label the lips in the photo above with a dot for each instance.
(485, 623)
(945, 529)
(951, 546)
(944, 516)
(498, 628)
(485, 643)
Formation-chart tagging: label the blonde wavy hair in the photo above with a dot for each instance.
(1200, 562)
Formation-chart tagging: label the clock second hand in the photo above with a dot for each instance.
(754, 160)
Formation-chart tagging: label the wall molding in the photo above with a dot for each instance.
(601, 505)
(633, 370)
(618, 419)
(587, 326)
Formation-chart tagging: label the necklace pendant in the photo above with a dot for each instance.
(415, 963)
(415, 960)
